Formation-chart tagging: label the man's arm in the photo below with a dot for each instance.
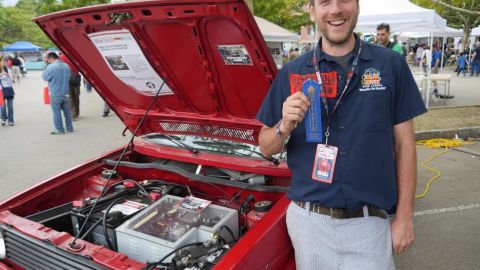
(437, 64)
(47, 74)
(406, 169)
(293, 112)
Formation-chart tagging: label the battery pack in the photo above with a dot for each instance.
(165, 226)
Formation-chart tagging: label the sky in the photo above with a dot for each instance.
(9, 2)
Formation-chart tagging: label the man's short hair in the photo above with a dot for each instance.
(52, 55)
(384, 26)
(312, 2)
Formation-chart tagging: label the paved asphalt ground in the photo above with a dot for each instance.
(447, 221)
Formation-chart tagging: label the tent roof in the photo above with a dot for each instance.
(22, 46)
(476, 31)
(449, 32)
(402, 15)
(274, 33)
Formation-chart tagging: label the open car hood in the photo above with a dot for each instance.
(210, 54)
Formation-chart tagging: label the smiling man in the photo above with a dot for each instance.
(350, 145)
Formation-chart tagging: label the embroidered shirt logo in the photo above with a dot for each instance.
(371, 80)
(329, 80)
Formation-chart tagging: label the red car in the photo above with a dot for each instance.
(190, 190)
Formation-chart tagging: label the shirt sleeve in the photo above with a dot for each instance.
(408, 102)
(47, 74)
(271, 110)
(398, 48)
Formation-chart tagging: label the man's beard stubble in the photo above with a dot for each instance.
(344, 39)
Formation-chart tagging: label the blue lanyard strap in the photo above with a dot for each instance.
(322, 90)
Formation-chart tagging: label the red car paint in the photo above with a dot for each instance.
(180, 39)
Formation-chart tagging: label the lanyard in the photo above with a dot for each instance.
(323, 94)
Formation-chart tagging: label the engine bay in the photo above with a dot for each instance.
(165, 214)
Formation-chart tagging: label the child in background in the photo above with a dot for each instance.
(6, 111)
(462, 64)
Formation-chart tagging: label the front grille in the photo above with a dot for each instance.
(212, 130)
(32, 254)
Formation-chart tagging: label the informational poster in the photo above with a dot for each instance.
(127, 61)
(235, 54)
(275, 49)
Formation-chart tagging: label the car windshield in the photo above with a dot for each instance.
(200, 144)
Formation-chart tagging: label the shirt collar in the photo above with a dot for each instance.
(365, 54)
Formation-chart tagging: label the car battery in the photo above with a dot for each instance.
(165, 226)
(125, 207)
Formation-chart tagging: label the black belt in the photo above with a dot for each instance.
(341, 213)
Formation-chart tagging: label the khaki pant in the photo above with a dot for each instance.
(16, 73)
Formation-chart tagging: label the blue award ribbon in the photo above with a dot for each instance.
(313, 118)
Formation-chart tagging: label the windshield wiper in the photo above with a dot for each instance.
(239, 146)
(174, 140)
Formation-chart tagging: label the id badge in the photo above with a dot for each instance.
(324, 164)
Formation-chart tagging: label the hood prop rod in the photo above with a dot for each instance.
(128, 146)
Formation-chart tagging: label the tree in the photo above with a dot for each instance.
(459, 13)
(16, 22)
(49, 6)
(286, 13)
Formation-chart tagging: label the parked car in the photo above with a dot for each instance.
(191, 190)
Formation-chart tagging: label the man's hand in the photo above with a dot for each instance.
(294, 109)
(402, 234)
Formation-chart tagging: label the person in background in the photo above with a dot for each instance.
(426, 58)
(436, 58)
(293, 54)
(16, 72)
(9, 66)
(383, 38)
(462, 64)
(418, 55)
(435, 66)
(306, 48)
(106, 110)
(6, 113)
(475, 60)
(23, 68)
(74, 87)
(3, 65)
(404, 50)
(57, 74)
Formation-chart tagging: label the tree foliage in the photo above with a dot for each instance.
(457, 12)
(16, 22)
(286, 13)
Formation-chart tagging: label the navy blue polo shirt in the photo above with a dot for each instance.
(382, 94)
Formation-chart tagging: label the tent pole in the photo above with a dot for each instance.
(443, 51)
(429, 72)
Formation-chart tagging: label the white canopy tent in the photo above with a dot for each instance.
(401, 15)
(274, 33)
(475, 32)
(449, 32)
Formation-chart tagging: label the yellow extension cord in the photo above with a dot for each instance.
(436, 143)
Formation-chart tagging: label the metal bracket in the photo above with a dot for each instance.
(118, 17)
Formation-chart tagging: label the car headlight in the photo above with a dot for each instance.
(3, 249)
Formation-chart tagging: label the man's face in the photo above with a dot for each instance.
(335, 19)
(50, 60)
(383, 36)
